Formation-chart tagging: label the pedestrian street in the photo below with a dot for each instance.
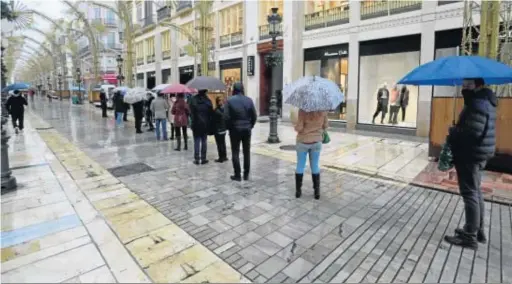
(363, 229)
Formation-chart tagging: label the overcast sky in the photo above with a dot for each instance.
(54, 9)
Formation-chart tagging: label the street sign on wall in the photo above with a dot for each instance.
(250, 65)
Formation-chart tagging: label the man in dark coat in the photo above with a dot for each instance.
(473, 143)
(240, 115)
(201, 111)
(149, 113)
(15, 105)
(138, 114)
(119, 107)
(103, 101)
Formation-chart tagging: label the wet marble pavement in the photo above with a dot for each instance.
(363, 229)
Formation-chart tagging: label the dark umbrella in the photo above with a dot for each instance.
(206, 83)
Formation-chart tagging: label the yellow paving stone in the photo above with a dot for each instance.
(133, 229)
(160, 244)
(98, 184)
(132, 214)
(22, 249)
(95, 195)
(125, 208)
(105, 188)
(182, 265)
(116, 201)
(218, 272)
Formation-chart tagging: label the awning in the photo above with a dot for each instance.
(110, 78)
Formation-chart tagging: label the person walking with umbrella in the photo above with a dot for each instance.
(180, 112)
(138, 114)
(15, 105)
(240, 115)
(314, 96)
(201, 111)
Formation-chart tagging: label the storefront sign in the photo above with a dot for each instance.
(339, 53)
(250, 65)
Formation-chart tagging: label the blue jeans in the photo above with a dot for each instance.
(200, 147)
(163, 122)
(314, 157)
(119, 118)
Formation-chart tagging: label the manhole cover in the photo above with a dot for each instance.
(130, 169)
(287, 147)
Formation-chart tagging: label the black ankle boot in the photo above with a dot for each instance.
(480, 236)
(298, 185)
(316, 185)
(178, 146)
(185, 146)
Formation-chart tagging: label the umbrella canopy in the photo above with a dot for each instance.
(160, 87)
(312, 93)
(206, 83)
(135, 95)
(122, 89)
(16, 86)
(451, 70)
(177, 89)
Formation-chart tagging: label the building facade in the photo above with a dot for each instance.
(360, 45)
(109, 43)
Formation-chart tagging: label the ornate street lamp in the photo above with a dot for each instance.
(120, 76)
(274, 21)
(59, 81)
(79, 82)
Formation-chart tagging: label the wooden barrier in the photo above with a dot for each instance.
(65, 93)
(441, 119)
(94, 96)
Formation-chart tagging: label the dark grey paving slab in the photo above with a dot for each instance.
(361, 230)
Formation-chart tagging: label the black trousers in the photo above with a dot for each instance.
(220, 140)
(178, 130)
(138, 123)
(149, 119)
(17, 120)
(104, 109)
(173, 131)
(244, 137)
(393, 114)
(380, 108)
(469, 176)
(403, 112)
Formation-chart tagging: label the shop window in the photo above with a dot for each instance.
(232, 20)
(377, 71)
(229, 77)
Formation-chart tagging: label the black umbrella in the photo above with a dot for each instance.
(206, 83)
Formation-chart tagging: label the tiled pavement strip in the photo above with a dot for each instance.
(362, 230)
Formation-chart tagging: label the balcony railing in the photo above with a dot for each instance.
(163, 13)
(444, 2)
(183, 4)
(265, 32)
(327, 18)
(150, 59)
(140, 61)
(166, 54)
(376, 9)
(231, 39)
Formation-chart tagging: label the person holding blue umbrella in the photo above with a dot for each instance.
(472, 138)
(15, 105)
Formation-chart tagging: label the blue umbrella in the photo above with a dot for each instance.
(313, 93)
(16, 86)
(451, 70)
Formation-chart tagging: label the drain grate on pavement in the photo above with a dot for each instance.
(287, 147)
(130, 169)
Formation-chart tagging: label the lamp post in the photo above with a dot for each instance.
(59, 81)
(79, 82)
(274, 21)
(49, 88)
(120, 76)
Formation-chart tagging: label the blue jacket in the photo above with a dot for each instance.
(240, 113)
(473, 139)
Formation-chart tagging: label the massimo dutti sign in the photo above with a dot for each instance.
(250, 65)
(325, 52)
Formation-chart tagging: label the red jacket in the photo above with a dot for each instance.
(181, 111)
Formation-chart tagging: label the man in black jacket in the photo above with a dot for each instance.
(15, 105)
(138, 114)
(241, 116)
(103, 102)
(201, 111)
(149, 114)
(473, 143)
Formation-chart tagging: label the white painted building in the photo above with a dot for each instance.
(358, 44)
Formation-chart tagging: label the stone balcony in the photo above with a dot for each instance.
(327, 18)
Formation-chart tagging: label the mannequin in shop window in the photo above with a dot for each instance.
(404, 100)
(382, 103)
(394, 105)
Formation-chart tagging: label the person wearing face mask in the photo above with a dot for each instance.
(473, 143)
